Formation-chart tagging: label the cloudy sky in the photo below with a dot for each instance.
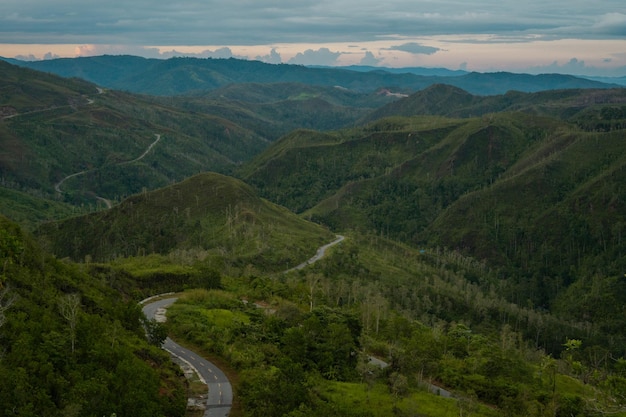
(568, 36)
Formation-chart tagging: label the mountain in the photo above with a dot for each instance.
(275, 109)
(447, 100)
(483, 249)
(67, 139)
(427, 71)
(537, 198)
(183, 75)
(216, 216)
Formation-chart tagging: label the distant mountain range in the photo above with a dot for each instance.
(184, 75)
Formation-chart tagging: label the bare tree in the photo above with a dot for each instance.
(6, 300)
(69, 306)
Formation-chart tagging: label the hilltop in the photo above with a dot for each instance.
(208, 216)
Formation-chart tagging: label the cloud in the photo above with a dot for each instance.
(248, 22)
(29, 57)
(150, 52)
(322, 56)
(98, 49)
(50, 55)
(612, 24)
(577, 66)
(223, 53)
(414, 48)
(370, 59)
(272, 58)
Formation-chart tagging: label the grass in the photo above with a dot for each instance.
(378, 402)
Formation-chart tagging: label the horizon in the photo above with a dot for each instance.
(336, 65)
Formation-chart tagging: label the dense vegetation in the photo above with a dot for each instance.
(210, 218)
(71, 345)
(540, 200)
(302, 341)
(484, 252)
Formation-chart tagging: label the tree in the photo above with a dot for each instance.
(6, 300)
(155, 331)
(69, 306)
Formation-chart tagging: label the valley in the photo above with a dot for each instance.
(471, 239)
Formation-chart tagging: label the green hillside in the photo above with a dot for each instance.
(538, 199)
(71, 345)
(483, 251)
(208, 217)
(66, 140)
(274, 109)
(29, 210)
(568, 104)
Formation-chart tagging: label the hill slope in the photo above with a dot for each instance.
(450, 101)
(71, 345)
(209, 214)
(517, 190)
(107, 144)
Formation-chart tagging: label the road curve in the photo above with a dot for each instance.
(220, 399)
(318, 255)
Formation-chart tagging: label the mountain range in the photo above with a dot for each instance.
(184, 75)
(484, 217)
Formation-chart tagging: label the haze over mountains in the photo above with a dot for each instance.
(184, 75)
(484, 216)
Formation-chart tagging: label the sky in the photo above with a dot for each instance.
(532, 36)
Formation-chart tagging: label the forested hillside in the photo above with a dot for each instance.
(538, 199)
(73, 345)
(69, 141)
(481, 254)
(207, 218)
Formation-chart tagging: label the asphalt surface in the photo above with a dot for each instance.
(220, 397)
(318, 255)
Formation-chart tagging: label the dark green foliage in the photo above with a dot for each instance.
(94, 361)
(208, 213)
(156, 332)
(580, 106)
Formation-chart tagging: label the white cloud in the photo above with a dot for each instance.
(370, 59)
(272, 58)
(322, 56)
(414, 48)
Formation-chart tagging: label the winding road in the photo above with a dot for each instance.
(319, 255)
(57, 186)
(220, 398)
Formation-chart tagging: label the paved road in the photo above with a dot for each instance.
(220, 397)
(319, 255)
